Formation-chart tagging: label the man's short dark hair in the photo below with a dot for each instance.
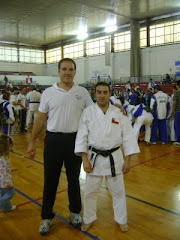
(158, 87)
(102, 84)
(66, 60)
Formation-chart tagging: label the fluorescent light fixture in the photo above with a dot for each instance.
(82, 35)
(82, 32)
(110, 25)
(112, 28)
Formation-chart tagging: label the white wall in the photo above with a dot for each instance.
(154, 61)
(160, 60)
(37, 69)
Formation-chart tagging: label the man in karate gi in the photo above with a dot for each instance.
(102, 130)
(160, 106)
(140, 117)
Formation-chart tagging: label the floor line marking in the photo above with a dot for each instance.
(150, 204)
(137, 199)
(58, 216)
(152, 159)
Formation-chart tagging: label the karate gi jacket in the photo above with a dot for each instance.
(159, 105)
(104, 132)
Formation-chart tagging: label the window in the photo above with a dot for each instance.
(31, 55)
(96, 46)
(74, 50)
(165, 33)
(9, 54)
(176, 31)
(53, 55)
(122, 41)
(143, 37)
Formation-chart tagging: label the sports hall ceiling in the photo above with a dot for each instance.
(43, 22)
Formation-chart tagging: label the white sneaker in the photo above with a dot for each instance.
(12, 208)
(45, 226)
(153, 142)
(76, 219)
(176, 143)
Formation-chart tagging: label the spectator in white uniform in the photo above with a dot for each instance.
(102, 130)
(141, 116)
(16, 107)
(22, 106)
(160, 106)
(62, 104)
(128, 86)
(1, 96)
(33, 97)
(151, 84)
(10, 118)
(170, 118)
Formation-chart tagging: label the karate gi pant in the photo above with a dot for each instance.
(31, 116)
(161, 125)
(177, 125)
(143, 120)
(117, 190)
(171, 130)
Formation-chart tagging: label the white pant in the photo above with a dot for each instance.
(143, 120)
(172, 130)
(31, 115)
(116, 188)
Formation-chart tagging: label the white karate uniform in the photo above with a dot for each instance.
(105, 132)
(16, 125)
(161, 100)
(129, 110)
(34, 100)
(115, 100)
(146, 119)
(171, 121)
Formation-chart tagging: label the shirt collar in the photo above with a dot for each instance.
(61, 89)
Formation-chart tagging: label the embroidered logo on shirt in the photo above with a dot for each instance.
(114, 121)
(77, 97)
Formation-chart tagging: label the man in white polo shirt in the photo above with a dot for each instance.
(62, 105)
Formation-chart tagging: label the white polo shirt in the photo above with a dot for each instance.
(64, 108)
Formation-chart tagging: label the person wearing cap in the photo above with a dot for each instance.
(102, 130)
(159, 105)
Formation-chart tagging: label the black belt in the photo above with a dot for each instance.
(62, 133)
(106, 153)
(34, 102)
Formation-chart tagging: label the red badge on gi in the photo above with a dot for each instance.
(114, 121)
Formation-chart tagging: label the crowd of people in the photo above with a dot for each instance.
(82, 129)
(152, 111)
(20, 107)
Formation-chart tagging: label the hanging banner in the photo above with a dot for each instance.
(177, 68)
(107, 54)
(29, 80)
